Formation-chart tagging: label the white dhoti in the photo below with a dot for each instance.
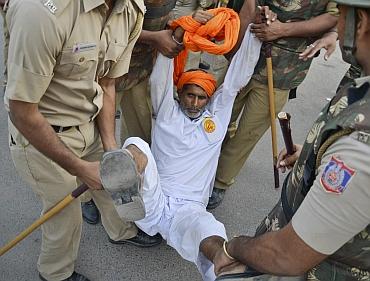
(183, 223)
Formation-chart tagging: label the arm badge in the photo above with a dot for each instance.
(336, 176)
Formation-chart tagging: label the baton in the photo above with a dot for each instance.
(270, 82)
(48, 215)
(284, 120)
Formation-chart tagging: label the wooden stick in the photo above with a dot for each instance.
(48, 215)
(270, 82)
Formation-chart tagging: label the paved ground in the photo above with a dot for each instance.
(244, 206)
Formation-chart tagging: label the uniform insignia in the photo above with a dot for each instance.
(209, 125)
(336, 176)
(51, 6)
(363, 137)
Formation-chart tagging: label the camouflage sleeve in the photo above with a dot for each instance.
(337, 206)
(332, 9)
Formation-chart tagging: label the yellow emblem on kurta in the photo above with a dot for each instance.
(209, 125)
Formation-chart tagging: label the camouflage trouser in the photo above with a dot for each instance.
(330, 271)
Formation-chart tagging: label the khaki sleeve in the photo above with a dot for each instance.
(33, 47)
(332, 9)
(325, 221)
(122, 65)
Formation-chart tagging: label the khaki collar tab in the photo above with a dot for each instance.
(49, 4)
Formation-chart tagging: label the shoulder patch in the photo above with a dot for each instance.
(363, 137)
(56, 7)
(49, 4)
(336, 176)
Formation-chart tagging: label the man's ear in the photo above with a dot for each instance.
(363, 23)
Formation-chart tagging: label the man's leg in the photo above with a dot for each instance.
(61, 234)
(152, 195)
(136, 109)
(118, 230)
(192, 224)
(254, 122)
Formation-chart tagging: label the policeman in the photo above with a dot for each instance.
(321, 225)
(58, 125)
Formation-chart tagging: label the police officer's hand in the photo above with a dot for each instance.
(223, 264)
(166, 45)
(89, 173)
(267, 33)
(286, 161)
(266, 15)
(328, 42)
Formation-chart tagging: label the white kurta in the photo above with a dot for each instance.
(182, 164)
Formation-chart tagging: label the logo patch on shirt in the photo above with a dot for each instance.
(209, 125)
(336, 176)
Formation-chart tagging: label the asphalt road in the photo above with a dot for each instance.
(245, 204)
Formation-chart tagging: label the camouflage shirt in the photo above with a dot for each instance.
(144, 55)
(288, 70)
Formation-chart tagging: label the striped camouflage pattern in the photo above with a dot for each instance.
(288, 70)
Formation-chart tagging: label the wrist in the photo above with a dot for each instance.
(285, 29)
(226, 251)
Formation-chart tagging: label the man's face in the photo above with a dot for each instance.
(193, 100)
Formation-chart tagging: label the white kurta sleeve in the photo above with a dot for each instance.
(238, 74)
(161, 84)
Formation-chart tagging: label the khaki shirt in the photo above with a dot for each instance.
(59, 48)
(326, 221)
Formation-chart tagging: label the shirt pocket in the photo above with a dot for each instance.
(78, 65)
(113, 55)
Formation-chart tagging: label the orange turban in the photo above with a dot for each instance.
(200, 78)
(224, 27)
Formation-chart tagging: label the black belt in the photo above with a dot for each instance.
(60, 129)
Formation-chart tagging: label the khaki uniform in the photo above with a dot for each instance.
(252, 103)
(72, 43)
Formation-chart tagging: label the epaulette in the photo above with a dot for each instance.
(56, 7)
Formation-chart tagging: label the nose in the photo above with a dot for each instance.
(195, 101)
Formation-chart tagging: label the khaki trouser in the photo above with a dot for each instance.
(242, 137)
(61, 234)
(136, 109)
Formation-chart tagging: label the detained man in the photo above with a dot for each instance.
(177, 174)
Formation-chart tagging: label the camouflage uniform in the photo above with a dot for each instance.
(132, 92)
(348, 112)
(340, 117)
(252, 101)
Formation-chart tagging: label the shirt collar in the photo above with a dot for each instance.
(92, 4)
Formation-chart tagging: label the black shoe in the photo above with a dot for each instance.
(141, 240)
(216, 198)
(90, 212)
(74, 277)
